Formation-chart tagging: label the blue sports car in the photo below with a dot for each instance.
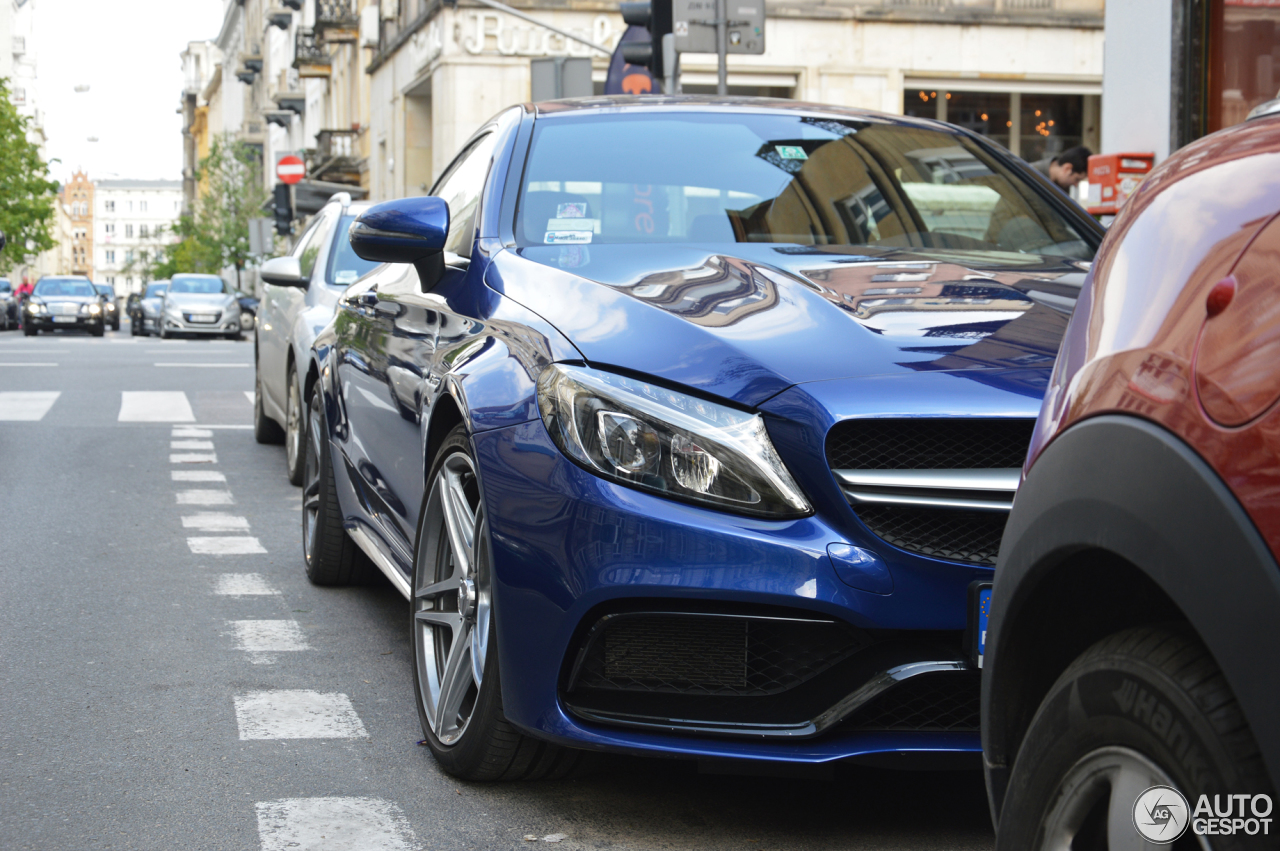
(690, 426)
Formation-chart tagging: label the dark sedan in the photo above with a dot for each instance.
(111, 310)
(63, 302)
(690, 426)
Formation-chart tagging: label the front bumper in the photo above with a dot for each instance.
(226, 323)
(46, 322)
(570, 548)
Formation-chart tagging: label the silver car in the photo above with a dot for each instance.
(302, 292)
(200, 304)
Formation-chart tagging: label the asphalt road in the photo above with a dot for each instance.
(157, 674)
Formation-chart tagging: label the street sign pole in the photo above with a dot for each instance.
(671, 64)
(722, 47)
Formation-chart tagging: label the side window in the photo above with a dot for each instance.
(309, 246)
(462, 188)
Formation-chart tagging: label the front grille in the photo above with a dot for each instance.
(927, 444)
(941, 701)
(709, 655)
(953, 534)
(968, 536)
(64, 309)
(202, 318)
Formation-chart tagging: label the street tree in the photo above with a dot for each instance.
(28, 195)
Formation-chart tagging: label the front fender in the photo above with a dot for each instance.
(1119, 519)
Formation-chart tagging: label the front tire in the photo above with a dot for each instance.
(332, 558)
(28, 331)
(455, 673)
(1144, 707)
(295, 432)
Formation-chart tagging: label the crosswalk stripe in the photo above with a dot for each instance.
(24, 406)
(191, 444)
(193, 458)
(297, 714)
(333, 824)
(188, 431)
(214, 522)
(225, 546)
(164, 406)
(263, 636)
(197, 476)
(204, 496)
(242, 585)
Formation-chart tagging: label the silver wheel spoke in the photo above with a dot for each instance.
(454, 684)
(1127, 783)
(459, 521)
(476, 653)
(452, 620)
(437, 588)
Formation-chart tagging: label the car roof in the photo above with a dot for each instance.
(615, 104)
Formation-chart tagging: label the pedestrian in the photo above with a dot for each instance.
(1067, 168)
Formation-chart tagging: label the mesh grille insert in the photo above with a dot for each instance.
(968, 536)
(950, 444)
(708, 655)
(942, 701)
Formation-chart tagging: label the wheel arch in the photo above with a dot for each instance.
(446, 414)
(1119, 523)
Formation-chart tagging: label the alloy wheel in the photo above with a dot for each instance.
(293, 424)
(311, 480)
(452, 600)
(1103, 787)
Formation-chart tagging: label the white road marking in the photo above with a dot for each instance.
(194, 458)
(242, 585)
(197, 476)
(297, 714)
(225, 546)
(22, 406)
(204, 497)
(334, 824)
(187, 431)
(167, 406)
(27, 363)
(211, 425)
(205, 365)
(191, 444)
(283, 636)
(248, 394)
(214, 522)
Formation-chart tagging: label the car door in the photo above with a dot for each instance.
(279, 308)
(395, 338)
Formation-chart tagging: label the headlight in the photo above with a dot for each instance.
(658, 440)
(94, 309)
(32, 307)
(110, 307)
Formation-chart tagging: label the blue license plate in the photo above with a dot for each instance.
(983, 615)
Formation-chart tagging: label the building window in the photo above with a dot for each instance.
(142, 229)
(128, 255)
(109, 206)
(111, 280)
(142, 206)
(158, 231)
(109, 229)
(1244, 60)
(130, 206)
(1033, 126)
(128, 231)
(111, 256)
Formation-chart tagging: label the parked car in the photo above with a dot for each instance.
(248, 310)
(301, 292)
(111, 311)
(690, 426)
(62, 302)
(145, 312)
(9, 306)
(1137, 601)
(199, 304)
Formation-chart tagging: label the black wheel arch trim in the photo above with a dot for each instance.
(1119, 496)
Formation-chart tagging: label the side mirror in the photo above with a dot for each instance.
(283, 272)
(408, 230)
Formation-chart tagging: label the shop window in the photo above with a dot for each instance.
(1033, 126)
(1244, 59)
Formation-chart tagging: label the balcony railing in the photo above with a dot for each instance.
(336, 20)
(310, 57)
(336, 157)
(337, 143)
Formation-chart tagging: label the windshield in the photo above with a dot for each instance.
(5, 286)
(104, 289)
(780, 179)
(65, 286)
(204, 284)
(155, 290)
(347, 267)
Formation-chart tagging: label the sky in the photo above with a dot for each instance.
(127, 52)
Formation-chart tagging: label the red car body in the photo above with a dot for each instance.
(1151, 493)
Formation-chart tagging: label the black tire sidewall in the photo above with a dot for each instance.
(1118, 701)
(467, 756)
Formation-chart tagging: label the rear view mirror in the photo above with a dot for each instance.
(408, 230)
(283, 272)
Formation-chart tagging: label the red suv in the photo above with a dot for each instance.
(1135, 619)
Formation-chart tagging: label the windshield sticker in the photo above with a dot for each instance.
(575, 210)
(567, 237)
(346, 276)
(791, 152)
(573, 256)
(574, 224)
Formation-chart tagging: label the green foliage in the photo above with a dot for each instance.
(27, 193)
(216, 234)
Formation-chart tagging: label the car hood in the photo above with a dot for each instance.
(188, 301)
(748, 324)
(65, 299)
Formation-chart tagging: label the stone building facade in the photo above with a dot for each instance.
(135, 220)
(77, 199)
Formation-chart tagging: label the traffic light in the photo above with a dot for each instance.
(282, 206)
(654, 16)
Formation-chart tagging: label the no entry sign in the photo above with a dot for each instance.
(291, 169)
